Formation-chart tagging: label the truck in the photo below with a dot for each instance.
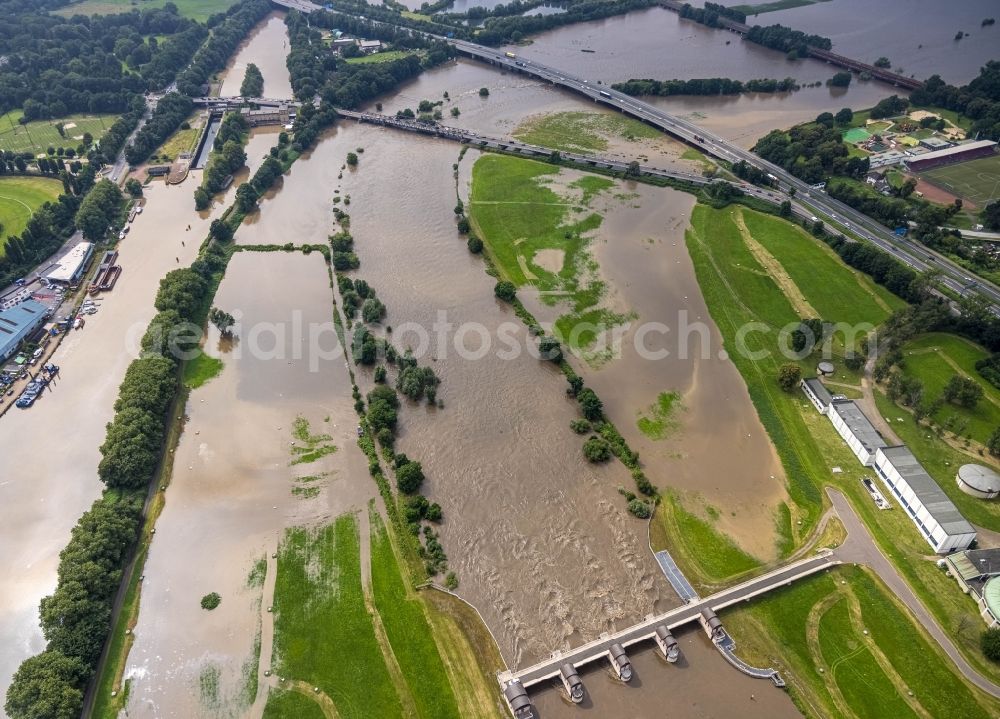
(510, 55)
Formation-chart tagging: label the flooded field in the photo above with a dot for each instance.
(266, 47)
(701, 684)
(234, 489)
(643, 261)
(50, 452)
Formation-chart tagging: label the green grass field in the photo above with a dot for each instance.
(199, 10)
(522, 219)
(977, 181)
(378, 57)
(934, 359)
(37, 136)
(820, 623)
(408, 631)
(179, 142)
(286, 704)
(581, 131)
(323, 634)
(19, 198)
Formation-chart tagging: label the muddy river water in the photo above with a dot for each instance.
(538, 537)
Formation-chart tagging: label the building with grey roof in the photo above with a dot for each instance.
(852, 424)
(978, 480)
(19, 322)
(936, 516)
(817, 394)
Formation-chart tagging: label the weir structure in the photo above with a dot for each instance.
(613, 647)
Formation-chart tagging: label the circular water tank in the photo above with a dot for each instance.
(978, 480)
(825, 368)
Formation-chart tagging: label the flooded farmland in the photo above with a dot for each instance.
(234, 489)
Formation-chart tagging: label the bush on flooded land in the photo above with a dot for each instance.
(385, 438)
(409, 477)
(590, 404)
(415, 381)
(372, 310)
(596, 450)
(433, 553)
(210, 601)
(640, 509)
(475, 245)
(580, 426)
(463, 225)
(343, 261)
(505, 291)
(380, 374)
(382, 405)
(550, 349)
(342, 242)
(364, 346)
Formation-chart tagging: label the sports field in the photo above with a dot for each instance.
(977, 181)
(195, 9)
(37, 136)
(19, 197)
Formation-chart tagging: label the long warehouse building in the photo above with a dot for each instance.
(921, 497)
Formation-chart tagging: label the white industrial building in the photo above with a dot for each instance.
(936, 516)
(71, 266)
(817, 394)
(852, 425)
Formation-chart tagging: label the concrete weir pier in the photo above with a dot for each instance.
(613, 647)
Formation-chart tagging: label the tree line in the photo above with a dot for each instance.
(99, 209)
(711, 12)
(793, 42)
(226, 36)
(979, 100)
(171, 111)
(227, 157)
(55, 66)
(704, 86)
(514, 28)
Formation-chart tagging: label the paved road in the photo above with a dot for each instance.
(826, 208)
(861, 549)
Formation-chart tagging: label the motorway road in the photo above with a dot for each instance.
(813, 202)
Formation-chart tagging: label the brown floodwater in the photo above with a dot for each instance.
(50, 452)
(918, 36)
(644, 262)
(699, 686)
(266, 47)
(231, 494)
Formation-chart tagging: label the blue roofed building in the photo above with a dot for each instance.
(17, 323)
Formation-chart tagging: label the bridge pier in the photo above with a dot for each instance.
(572, 682)
(712, 625)
(667, 645)
(518, 701)
(620, 662)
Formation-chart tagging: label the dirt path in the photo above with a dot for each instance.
(266, 635)
(897, 681)
(812, 640)
(774, 269)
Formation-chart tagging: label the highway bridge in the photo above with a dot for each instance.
(815, 202)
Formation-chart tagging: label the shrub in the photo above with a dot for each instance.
(590, 404)
(463, 225)
(484, 92)
(550, 349)
(990, 643)
(385, 437)
(352, 159)
(596, 450)
(451, 581)
(639, 508)
(409, 477)
(505, 291)
(211, 601)
(434, 513)
(580, 426)
(372, 310)
(788, 376)
(380, 374)
(475, 245)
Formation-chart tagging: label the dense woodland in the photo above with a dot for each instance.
(979, 100)
(56, 66)
(812, 152)
(704, 86)
(171, 111)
